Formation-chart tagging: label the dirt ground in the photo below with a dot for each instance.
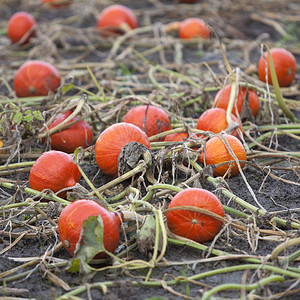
(135, 69)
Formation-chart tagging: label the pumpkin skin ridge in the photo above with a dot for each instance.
(70, 231)
(198, 198)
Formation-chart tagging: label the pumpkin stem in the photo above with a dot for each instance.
(32, 90)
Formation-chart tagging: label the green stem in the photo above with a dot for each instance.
(90, 184)
(21, 204)
(276, 86)
(178, 75)
(52, 197)
(268, 134)
(181, 279)
(247, 287)
(69, 118)
(17, 165)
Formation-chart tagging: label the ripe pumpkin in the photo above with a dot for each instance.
(150, 119)
(284, 63)
(19, 25)
(194, 225)
(113, 17)
(176, 137)
(214, 120)
(216, 153)
(192, 28)
(71, 220)
(36, 78)
(57, 3)
(54, 170)
(110, 142)
(222, 99)
(78, 135)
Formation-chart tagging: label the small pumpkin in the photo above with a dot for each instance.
(149, 118)
(54, 170)
(71, 220)
(57, 3)
(176, 137)
(284, 63)
(114, 18)
(78, 135)
(36, 78)
(214, 120)
(19, 25)
(194, 225)
(110, 142)
(222, 99)
(216, 153)
(192, 28)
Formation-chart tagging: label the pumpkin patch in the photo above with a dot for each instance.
(144, 151)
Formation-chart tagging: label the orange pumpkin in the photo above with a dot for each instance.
(284, 63)
(110, 143)
(20, 24)
(222, 99)
(192, 28)
(149, 118)
(36, 78)
(54, 170)
(71, 220)
(176, 137)
(78, 135)
(194, 225)
(216, 153)
(214, 120)
(57, 3)
(113, 17)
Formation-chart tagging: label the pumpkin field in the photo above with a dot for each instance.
(149, 149)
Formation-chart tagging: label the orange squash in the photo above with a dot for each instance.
(222, 99)
(71, 220)
(194, 225)
(78, 135)
(214, 120)
(36, 78)
(192, 28)
(111, 141)
(114, 17)
(284, 63)
(216, 153)
(176, 137)
(20, 24)
(149, 118)
(54, 170)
